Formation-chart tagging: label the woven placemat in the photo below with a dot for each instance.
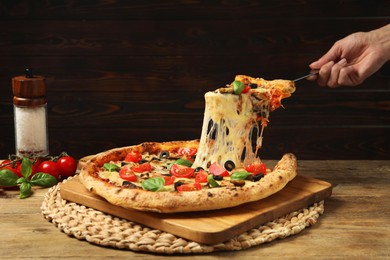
(98, 228)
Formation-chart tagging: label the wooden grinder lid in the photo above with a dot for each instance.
(29, 89)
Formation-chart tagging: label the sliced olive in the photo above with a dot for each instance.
(257, 177)
(229, 165)
(123, 164)
(177, 184)
(128, 184)
(142, 161)
(164, 154)
(252, 85)
(198, 169)
(218, 177)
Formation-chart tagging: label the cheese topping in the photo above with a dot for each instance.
(233, 123)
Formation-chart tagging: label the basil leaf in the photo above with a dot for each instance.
(211, 181)
(238, 87)
(26, 167)
(25, 190)
(111, 167)
(8, 178)
(22, 180)
(43, 179)
(153, 184)
(239, 175)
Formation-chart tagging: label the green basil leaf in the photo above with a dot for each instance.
(238, 87)
(111, 167)
(43, 179)
(25, 190)
(153, 184)
(26, 167)
(239, 175)
(181, 161)
(8, 178)
(22, 180)
(210, 180)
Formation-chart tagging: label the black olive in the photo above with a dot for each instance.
(155, 159)
(197, 169)
(252, 85)
(123, 164)
(164, 154)
(166, 174)
(258, 177)
(142, 161)
(128, 184)
(218, 177)
(177, 184)
(229, 165)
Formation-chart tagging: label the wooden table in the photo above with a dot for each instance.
(356, 222)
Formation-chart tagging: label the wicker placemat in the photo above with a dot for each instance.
(102, 229)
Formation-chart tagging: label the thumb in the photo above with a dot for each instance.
(331, 55)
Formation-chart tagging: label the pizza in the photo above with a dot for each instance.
(221, 169)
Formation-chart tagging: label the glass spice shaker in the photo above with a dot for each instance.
(30, 115)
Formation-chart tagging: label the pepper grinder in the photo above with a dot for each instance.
(30, 115)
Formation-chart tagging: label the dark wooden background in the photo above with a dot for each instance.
(125, 72)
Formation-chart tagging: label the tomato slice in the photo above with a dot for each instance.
(216, 169)
(246, 89)
(169, 180)
(201, 176)
(133, 157)
(181, 171)
(127, 174)
(187, 151)
(189, 187)
(144, 167)
(256, 168)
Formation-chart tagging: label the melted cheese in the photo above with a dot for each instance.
(231, 130)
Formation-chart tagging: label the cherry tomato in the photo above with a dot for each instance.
(246, 89)
(182, 171)
(187, 151)
(145, 167)
(127, 174)
(169, 180)
(201, 176)
(133, 157)
(256, 168)
(50, 167)
(216, 169)
(13, 167)
(189, 187)
(67, 166)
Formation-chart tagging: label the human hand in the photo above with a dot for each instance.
(353, 59)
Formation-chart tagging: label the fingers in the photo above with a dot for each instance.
(334, 77)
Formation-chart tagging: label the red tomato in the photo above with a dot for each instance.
(182, 171)
(256, 168)
(201, 176)
(189, 187)
(169, 180)
(189, 152)
(67, 166)
(246, 89)
(7, 164)
(127, 174)
(133, 157)
(145, 167)
(50, 167)
(216, 169)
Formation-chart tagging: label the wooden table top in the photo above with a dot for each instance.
(355, 222)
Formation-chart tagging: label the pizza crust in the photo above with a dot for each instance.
(169, 202)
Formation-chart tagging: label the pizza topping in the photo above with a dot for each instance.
(164, 154)
(127, 174)
(128, 184)
(216, 169)
(187, 151)
(256, 168)
(133, 157)
(169, 180)
(145, 167)
(211, 181)
(229, 165)
(238, 87)
(153, 184)
(183, 162)
(201, 176)
(111, 167)
(182, 171)
(189, 187)
(238, 183)
(241, 175)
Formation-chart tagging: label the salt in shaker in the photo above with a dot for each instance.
(30, 115)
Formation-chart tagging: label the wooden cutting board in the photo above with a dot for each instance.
(211, 227)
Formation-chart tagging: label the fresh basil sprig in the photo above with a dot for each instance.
(111, 167)
(242, 175)
(10, 179)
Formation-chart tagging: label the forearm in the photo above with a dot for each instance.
(381, 36)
